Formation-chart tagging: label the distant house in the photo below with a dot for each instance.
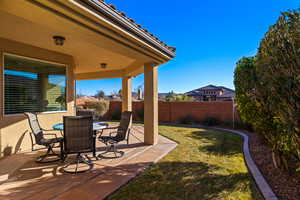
(117, 97)
(212, 93)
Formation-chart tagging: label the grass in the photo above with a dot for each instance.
(205, 165)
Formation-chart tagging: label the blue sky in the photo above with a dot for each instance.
(210, 37)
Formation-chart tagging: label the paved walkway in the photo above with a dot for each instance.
(22, 178)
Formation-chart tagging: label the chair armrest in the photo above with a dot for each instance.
(108, 128)
(49, 130)
(51, 134)
(61, 133)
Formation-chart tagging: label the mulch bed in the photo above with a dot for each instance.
(285, 185)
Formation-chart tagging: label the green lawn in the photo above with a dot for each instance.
(205, 165)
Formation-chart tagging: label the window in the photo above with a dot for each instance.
(33, 86)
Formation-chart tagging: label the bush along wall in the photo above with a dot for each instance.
(268, 88)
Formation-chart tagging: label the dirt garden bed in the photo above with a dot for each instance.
(286, 185)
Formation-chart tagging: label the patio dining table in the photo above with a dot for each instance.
(97, 126)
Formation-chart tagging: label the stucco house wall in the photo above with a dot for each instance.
(14, 129)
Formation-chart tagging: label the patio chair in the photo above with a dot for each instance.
(78, 139)
(122, 133)
(39, 134)
(87, 112)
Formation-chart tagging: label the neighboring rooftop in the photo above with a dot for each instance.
(226, 92)
(211, 87)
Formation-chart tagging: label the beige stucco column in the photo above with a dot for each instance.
(150, 104)
(44, 81)
(126, 94)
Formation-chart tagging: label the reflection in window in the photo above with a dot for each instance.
(33, 86)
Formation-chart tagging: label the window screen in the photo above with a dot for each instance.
(33, 86)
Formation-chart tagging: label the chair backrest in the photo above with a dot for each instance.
(124, 125)
(35, 126)
(78, 134)
(86, 112)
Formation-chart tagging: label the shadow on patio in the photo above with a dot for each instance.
(22, 178)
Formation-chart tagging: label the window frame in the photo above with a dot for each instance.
(34, 59)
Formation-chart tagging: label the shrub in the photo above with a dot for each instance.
(210, 121)
(237, 125)
(268, 88)
(116, 114)
(172, 97)
(183, 97)
(244, 126)
(244, 81)
(188, 119)
(101, 107)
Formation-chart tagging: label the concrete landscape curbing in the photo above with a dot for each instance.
(262, 184)
(259, 179)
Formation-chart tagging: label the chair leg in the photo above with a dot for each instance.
(116, 151)
(128, 134)
(49, 153)
(79, 159)
(87, 160)
(51, 149)
(62, 155)
(77, 163)
(114, 147)
(41, 158)
(111, 148)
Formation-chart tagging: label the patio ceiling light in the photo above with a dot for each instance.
(103, 65)
(59, 40)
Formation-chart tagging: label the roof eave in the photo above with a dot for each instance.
(129, 27)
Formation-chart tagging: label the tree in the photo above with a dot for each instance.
(100, 94)
(268, 88)
(170, 96)
(244, 81)
(62, 101)
(278, 90)
(184, 97)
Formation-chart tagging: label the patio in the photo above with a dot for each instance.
(22, 178)
(39, 67)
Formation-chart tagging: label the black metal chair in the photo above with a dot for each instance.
(122, 133)
(86, 112)
(78, 139)
(49, 143)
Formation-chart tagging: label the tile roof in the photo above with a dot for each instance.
(227, 92)
(210, 87)
(123, 15)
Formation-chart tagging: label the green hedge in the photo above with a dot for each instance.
(268, 88)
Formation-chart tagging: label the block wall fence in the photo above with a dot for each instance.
(173, 111)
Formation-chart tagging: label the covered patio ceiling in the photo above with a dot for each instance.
(95, 33)
(91, 37)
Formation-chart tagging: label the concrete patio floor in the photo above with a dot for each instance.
(22, 178)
